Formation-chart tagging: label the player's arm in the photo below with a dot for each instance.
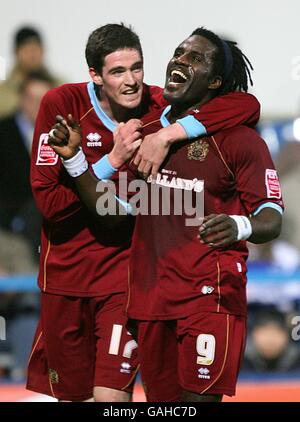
(222, 230)
(53, 190)
(65, 140)
(222, 112)
(259, 189)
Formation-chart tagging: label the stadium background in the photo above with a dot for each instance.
(269, 34)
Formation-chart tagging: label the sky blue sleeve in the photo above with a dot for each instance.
(192, 126)
(102, 169)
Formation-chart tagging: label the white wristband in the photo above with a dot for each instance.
(243, 225)
(76, 165)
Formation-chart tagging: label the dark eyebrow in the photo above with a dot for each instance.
(117, 69)
(137, 64)
(122, 68)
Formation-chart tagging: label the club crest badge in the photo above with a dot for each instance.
(198, 150)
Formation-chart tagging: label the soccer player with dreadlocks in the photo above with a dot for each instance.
(187, 284)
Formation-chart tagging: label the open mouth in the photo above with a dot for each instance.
(131, 92)
(178, 77)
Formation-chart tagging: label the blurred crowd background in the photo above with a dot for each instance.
(274, 268)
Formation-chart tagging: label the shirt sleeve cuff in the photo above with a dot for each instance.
(192, 126)
(102, 169)
(268, 205)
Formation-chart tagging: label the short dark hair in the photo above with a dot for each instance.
(229, 62)
(26, 34)
(106, 40)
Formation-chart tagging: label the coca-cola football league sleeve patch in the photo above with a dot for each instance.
(46, 155)
(273, 184)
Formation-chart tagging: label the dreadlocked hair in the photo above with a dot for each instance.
(240, 73)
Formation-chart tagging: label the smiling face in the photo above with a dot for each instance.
(121, 79)
(189, 78)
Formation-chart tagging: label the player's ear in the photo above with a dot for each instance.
(96, 77)
(215, 83)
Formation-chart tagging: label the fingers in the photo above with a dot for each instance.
(131, 147)
(154, 171)
(127, 130)
(73, 124)
(58, 135)
(217, 239)
(218, 230)
(61, 120)
(56, 142)
(136, 144)
(61, 131)
(137, 159)
(213, 219)
(144, 169)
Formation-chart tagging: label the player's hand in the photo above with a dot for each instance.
(218, 230)
(151, 154)
(127, 138)
(65, 137)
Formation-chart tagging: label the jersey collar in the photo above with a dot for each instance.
(163, 118)
(105, 119)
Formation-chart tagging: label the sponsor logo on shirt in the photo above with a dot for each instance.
(46, 156)
(203, 373)
(94, 140)
(272, 184)
(178, 183)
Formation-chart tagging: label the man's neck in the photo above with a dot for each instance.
(180, 110)
(115, 112)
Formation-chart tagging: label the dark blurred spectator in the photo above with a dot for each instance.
(270, 348)
(18, 213)
(20, 223)
(29, 56)
(15, 255)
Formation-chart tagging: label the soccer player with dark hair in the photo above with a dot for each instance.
(81, 341)
(187, 290)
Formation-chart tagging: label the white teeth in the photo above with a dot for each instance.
(178, 72)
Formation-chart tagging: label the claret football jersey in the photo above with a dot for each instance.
(79, 255)
(172, 274)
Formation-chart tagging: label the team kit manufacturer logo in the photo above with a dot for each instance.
(203, 373)
(94, 140)
(125, 368)
(207, 290)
